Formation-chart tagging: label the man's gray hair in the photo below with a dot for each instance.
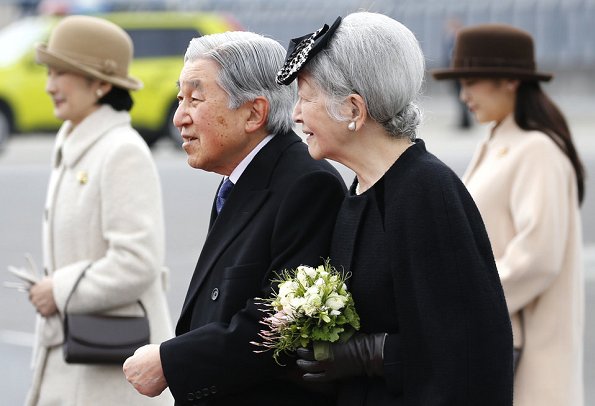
(249, 64)
(378, 58)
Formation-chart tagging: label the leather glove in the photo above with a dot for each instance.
(362, 354)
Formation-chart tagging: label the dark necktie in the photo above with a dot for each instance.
(222, 194)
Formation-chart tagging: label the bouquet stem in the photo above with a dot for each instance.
(322, 350)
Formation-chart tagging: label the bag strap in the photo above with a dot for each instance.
(522, 321)
(75, 286)
(77, 283)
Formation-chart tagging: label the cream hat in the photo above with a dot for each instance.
(93, 47)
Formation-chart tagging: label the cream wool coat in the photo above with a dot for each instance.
(526, 191)
(103, 209)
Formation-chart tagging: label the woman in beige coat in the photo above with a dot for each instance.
(103, 214)
(528, 183)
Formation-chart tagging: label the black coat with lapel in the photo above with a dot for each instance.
(279, 215)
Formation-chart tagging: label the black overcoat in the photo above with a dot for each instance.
(431, 284)
(279, 215)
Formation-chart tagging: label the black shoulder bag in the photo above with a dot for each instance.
(102, 339)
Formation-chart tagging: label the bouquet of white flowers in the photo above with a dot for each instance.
(311, 306)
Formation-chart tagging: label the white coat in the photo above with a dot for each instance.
(526, 190)
(103, 209)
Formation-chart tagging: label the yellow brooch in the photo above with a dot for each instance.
(82, 177)
(503, 151)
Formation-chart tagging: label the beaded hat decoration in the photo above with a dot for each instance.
(302, 49)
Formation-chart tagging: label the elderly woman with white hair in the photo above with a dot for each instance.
(434, 322)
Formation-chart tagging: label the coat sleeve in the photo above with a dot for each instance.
(455, 342)
(217, 358)
(542, 194)
(131, 226)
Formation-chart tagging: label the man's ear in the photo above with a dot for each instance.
(258, 114)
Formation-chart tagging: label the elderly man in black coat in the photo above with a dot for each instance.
(275, 210)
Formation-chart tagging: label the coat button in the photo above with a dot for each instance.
(215, 294)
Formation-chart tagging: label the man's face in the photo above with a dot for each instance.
(214, 135)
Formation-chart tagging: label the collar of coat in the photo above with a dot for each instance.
(506, 129)
(73, 143)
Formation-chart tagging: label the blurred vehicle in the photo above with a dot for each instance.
(160, 40)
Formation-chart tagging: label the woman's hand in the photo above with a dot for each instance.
(41, 296)
(361, 355)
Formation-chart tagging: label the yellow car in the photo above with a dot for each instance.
(160, 40)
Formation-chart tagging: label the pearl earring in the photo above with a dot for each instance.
(99, 93)
(351, 126)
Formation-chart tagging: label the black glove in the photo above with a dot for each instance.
(362, 354)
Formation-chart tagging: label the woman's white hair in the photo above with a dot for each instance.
(378, 58)
(249, 64)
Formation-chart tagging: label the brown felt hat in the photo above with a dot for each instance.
(493, 51)
(92, 47)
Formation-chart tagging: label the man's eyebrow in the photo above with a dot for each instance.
(196, 84)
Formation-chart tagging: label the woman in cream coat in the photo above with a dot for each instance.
(528, 183)
(103, 214)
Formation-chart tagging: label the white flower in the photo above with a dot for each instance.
(335, 301)
(311, 272)
(297, 301)
(287, 288)
(321, 271)
(305, 274)
(313, 290)
(313, 296)
(301, 276)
